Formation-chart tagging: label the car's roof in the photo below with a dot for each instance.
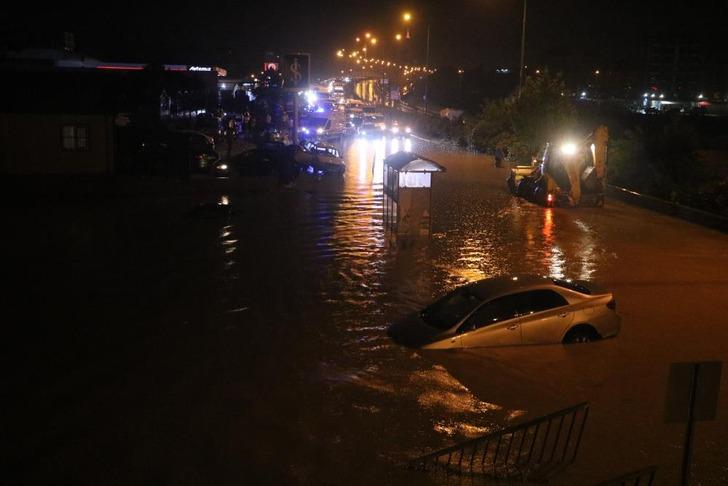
(323, 145)
(505, 284)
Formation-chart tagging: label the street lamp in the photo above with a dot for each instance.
(407, 17)
(398, 37)
(373, 41)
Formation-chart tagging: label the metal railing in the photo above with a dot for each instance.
(534, 450)
(642, 477)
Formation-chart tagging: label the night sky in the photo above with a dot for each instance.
(608, 34)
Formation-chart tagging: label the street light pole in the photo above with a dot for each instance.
(523, 48)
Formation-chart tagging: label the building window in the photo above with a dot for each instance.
(75, 137)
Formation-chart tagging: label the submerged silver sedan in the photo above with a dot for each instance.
(512, 310)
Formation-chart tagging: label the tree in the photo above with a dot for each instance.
(541, 114)
(522, 124)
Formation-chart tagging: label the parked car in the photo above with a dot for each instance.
(262, 160)
(209, 124)
(512, 310)
(198, 149)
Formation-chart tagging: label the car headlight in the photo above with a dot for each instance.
(223, 166)
(408, 130)
(319, 131)
(568, 148)
(363, 132)
(395, 129)
(304, 130)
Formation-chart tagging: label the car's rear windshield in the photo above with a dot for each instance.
(450, 309)
(571, 285)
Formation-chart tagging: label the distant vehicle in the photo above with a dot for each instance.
(400, 130)
(371, 129)
(512, 310)
(372, 110)
(315, 127)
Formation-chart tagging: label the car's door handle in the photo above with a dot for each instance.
(513, 327)
(563, 314)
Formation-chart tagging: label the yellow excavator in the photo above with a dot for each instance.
(569, 174)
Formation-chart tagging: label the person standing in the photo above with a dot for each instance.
(230, 135)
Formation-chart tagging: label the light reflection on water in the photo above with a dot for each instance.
(349, 283)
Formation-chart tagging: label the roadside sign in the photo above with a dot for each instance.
(296, 70)
(270, 66)
(706, 386)
(692, 395)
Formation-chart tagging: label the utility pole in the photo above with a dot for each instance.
(523, 48)
(427, 64)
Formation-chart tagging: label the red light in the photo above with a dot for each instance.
(550, 198)
(121, 68)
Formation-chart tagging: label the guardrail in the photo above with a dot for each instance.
(641, 477)
(534, 450)
(705, 218)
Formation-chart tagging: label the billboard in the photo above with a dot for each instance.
(295, 69)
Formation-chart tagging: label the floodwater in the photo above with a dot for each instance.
(152, 343)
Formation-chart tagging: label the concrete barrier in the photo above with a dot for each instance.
(704, 218)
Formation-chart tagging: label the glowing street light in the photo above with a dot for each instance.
(373, 41)
(398, 37)
(339, 53)
(358, 39)
(367, 35)
(406, 16)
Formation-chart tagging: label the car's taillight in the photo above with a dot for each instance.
(612, 304)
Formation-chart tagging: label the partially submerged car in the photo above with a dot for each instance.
(325, 159)
(512, 310)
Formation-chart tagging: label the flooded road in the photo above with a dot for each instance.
(158, 344)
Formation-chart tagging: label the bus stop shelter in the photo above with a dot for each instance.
(408, 179)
